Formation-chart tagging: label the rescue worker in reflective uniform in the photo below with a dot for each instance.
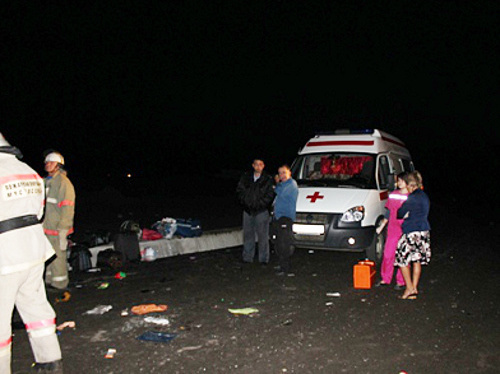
(58, 220)
(23, 252)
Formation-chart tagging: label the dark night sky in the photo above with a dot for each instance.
(200, 86)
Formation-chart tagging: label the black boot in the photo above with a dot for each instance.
(54, 367)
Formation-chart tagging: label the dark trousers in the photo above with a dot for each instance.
(283, 244)
(256, 226)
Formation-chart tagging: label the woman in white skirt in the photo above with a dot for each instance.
(414, 247)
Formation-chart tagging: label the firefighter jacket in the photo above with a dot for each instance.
(59, 205)
(21, 194)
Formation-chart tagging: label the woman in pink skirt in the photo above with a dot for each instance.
(394, 232)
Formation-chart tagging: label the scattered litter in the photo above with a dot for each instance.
(110, 353)
(124, 313)
(120, 275)
(166, 227)
(191, 348)
(192, 258)
(245, 311)
(148, 308)
(329, 303)
(65, 298)
(188, 327)
(149, 254)
(157, 320)
(103, 286)
(287, 322)
(93, 270)
(153, 336)
(63, 325)
(311, 251)
(333, 294)
(100, 309)
(291, 274)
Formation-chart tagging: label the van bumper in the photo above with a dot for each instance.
(337, 236)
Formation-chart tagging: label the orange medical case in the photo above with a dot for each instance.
(364, 274)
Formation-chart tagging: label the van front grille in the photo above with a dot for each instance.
(312, 218)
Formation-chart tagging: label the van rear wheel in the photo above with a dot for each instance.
(375, 251)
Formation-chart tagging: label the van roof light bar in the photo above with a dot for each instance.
(345, 132)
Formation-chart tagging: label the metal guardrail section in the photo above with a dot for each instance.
(209, 241)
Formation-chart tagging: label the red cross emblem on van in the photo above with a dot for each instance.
(315, 196)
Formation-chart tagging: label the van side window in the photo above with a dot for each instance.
(406, 164)
(385, 178)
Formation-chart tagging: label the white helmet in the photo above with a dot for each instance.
(55, 156)
(3, 142)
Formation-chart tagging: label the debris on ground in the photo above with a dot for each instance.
(148, 308)
(70, 324)
(65, 298)
(103, 286)
(110, 353)
(120, 275)
(100, 309)
(333, 294)
(190, 348)
(154, 336)
(244, 311)
(157, 320)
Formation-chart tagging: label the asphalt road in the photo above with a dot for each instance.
(453, 326)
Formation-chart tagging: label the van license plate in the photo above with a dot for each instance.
(308, 229)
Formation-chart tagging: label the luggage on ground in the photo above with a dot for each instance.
(188, 228)
(128, 244)
(80, 258)
(109, 258)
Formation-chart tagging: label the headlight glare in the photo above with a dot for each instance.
(355, 214)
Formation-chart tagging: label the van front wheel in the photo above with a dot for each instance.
(375, 251)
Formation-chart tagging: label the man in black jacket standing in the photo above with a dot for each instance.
(256, 193)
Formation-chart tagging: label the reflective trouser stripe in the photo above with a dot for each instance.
(59, 279)
(38, 329)
(51, 232)
(40, 324)
(6, 343)
(56, 232)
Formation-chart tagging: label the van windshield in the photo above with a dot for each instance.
(344, 170)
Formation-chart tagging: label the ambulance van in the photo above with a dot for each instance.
(344, 179)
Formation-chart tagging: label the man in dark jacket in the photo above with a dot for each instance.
(256, 193)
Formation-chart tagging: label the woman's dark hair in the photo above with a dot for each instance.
(403, 176)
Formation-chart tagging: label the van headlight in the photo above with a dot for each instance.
(354, 214)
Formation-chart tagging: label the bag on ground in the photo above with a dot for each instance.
(166, 227)
(148, 254)
(128, 244)
(109, 258)
(188, 228)
(80, 258)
